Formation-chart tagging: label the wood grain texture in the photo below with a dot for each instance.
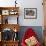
(44, 7)
(11, 26)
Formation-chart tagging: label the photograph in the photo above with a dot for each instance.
(30, 13)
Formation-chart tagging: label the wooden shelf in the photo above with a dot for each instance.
(9, 43)
(9, 8)
(4, 13)
(8, 11)
(11, 26)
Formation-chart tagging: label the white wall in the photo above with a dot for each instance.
(32, 4)
(27, 4)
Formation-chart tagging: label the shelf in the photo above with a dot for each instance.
(10, 19)
(9, 10)
(10, 26)
(11, 41)
(6, 12)
(7, 23)
(4, 8)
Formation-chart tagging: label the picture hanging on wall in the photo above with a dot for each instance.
(30, 13)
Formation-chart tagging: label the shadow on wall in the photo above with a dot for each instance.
(37, 29)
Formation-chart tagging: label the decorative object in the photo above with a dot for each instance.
(15, 30)
(7, 34)
(15, 3)
(5, 12)
(15, 37)
(13, 12)
(30, 13)
(31, 41)
(30, 38)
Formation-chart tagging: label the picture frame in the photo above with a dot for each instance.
(30, 13)
(5, 12)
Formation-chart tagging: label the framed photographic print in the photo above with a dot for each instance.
(5, 12)
(30, 13)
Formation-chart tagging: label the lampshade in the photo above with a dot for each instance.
(15, 30)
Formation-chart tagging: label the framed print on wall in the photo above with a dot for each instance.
(30, 13)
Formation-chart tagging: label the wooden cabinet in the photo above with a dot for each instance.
(9, 24)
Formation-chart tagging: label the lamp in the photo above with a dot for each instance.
(15, 30)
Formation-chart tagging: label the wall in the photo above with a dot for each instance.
(27, 4)
(31, 4)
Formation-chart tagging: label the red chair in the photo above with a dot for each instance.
(29, 33)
